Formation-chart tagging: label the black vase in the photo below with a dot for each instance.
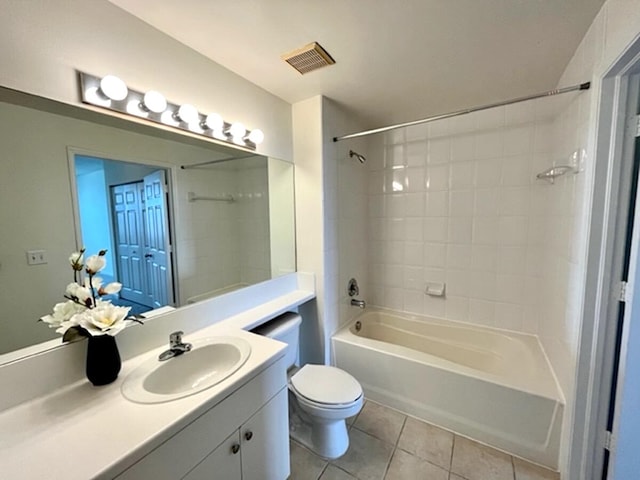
(103, 360)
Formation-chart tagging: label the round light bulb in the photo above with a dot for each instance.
(237, 130)
(187, 113)
(154, 101)
(256, 136)
(214, 122)
(114, 88)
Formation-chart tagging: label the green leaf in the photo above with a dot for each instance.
(74, 334)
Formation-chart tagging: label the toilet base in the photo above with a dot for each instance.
(327, 438)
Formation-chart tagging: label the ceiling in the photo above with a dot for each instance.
(396, 61)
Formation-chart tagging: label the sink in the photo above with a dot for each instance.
(210, 361)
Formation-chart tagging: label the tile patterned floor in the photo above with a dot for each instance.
(388, 445)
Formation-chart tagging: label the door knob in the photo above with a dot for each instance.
(248, 435)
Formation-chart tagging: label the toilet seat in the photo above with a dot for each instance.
(326, 387)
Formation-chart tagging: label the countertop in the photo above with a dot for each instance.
(83, 432)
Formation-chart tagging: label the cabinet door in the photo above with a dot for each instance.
(265, 441)
(221, 464)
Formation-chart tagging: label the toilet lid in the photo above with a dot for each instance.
(324, 384)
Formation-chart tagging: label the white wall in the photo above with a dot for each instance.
(44, 43)
(310, 222)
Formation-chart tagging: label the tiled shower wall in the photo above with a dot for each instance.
(223, 244)
(451, 202)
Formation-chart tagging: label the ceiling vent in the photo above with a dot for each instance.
(309, 58)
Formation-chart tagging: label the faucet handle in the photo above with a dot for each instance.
(353, 288)
(175, 338)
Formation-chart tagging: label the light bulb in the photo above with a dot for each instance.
(187, 113)
(213, 122)
(237, 130)
(154, 102)
(93, 95)
(114, 88)
(256, 136)
(135, 108)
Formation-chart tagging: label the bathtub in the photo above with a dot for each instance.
(490, 385)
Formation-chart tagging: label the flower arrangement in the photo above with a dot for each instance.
(85, 313)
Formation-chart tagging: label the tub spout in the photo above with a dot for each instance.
(358, 303)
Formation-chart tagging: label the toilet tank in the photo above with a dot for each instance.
(285, 328)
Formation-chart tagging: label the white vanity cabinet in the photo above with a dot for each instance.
(243, 437)
(255, 451)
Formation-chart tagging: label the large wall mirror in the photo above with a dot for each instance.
(183, 219)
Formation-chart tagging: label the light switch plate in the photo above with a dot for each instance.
(36, 257)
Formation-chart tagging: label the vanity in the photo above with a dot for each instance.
(236, 429)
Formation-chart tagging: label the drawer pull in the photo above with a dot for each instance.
(248, 435)
(235, 448)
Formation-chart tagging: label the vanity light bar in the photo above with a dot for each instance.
(112, 93)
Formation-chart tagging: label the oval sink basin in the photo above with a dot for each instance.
(210, 361)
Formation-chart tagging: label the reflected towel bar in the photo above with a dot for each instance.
(192, 197)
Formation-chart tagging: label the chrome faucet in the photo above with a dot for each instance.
(358, 303)
(176, 347)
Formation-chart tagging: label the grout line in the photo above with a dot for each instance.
(395, 447)
(513, 467)
(323, 470)
(453, 446)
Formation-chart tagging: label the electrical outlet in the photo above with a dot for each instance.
(36, 257)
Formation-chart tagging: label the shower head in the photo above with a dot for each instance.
(360, 158)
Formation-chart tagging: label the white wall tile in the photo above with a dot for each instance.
(462, 175)
(460, 229)
(462, 148)
(461, 203)
(437, 177)
(437, 204)
(439, 151)
(489, 144)
(488, 172)
(436, 229)
(457, 308)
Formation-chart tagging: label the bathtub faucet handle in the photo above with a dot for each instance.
(353, 288)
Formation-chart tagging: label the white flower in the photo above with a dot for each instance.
(62, 312)
(95, 282)
(110, 288)
(105, 318)
(95, 263)
(76, 260)
(81, 293)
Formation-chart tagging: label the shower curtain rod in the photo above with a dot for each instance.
(550, 93)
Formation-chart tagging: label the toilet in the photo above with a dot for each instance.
(321, 397)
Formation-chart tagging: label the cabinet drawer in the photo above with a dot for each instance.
(179, 454)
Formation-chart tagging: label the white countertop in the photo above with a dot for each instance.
(83, 432)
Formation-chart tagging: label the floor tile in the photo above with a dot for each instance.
(428, 442)
(474, 461)
(351, 420)
(405, 466)
(367, 457)
(334, 473)
(381, 422)
(453, 476)
(529, 471)
(305, 465)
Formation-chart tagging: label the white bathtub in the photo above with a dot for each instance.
(490, 385)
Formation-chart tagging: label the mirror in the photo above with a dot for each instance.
(229, 212)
